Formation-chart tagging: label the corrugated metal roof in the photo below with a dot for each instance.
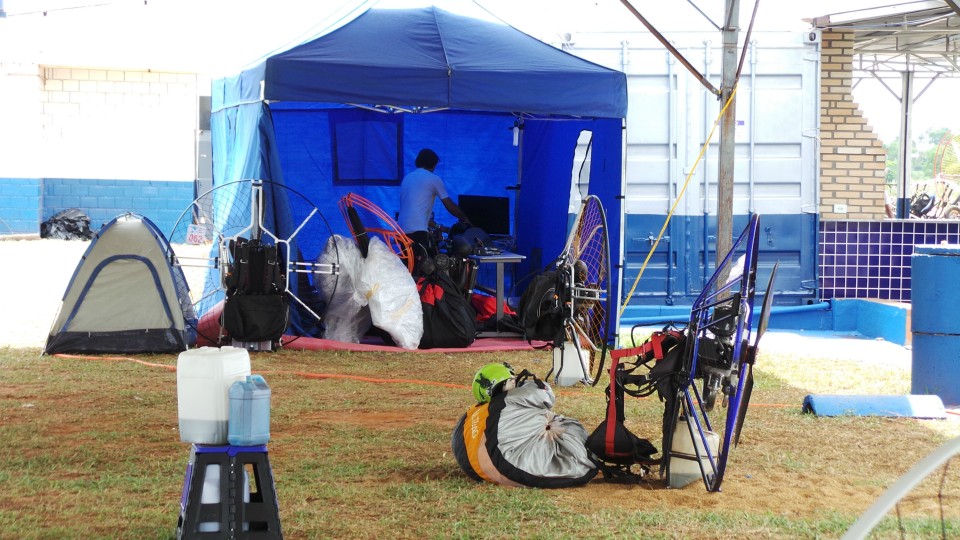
(922, 36)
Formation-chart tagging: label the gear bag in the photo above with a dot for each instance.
(515, 440)
(255, 308)
(541, 310)
(449, 320)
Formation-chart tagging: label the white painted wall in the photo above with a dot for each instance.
(69, 122)
(21, 126)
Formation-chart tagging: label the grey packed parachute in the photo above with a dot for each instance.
(516, 440)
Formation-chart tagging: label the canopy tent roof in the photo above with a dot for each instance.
(300, 116)
(430, 58)
(921, 37)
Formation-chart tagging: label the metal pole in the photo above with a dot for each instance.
(728, 124)
(705, 203)
(906, 108)
(673, 50)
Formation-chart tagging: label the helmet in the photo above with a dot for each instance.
(428, 267)
(461, 246)
(489, 380)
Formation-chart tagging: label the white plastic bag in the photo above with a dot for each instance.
(348, 317)
(392, 295)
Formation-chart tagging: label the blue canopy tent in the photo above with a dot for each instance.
(348, 109)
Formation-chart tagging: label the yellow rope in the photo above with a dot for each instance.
(686, 183)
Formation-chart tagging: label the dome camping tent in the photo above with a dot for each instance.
(126, 295)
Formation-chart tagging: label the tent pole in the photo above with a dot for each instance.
(518, 138)
(256, 209)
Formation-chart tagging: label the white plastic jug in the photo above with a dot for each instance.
(569, 368)
(249, 422)
(204, 377)
(684, 468)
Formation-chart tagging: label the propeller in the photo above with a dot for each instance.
(752, 354)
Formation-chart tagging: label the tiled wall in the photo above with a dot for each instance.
(871, 259)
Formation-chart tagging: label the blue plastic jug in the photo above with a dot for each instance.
(249, 420)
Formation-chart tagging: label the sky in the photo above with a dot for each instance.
(220, 36)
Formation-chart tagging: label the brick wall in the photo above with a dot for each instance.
(852, 158)
(115, 124)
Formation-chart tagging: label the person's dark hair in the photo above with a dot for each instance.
(427, 159)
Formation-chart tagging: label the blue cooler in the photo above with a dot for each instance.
(249, 420)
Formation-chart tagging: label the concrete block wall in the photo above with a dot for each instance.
(103, 200)
(102, 141)
(19, 205)
(852, 157)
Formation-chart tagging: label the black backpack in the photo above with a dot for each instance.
(449, 320)
(541, 310)
(255, 308)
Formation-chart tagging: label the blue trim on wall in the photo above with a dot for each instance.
(19, 205)
(25, 203)
(885, 320)
(675, 273)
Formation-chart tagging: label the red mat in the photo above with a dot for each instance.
(479, 345)
(209, 327)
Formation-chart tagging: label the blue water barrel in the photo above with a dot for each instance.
(935, 321)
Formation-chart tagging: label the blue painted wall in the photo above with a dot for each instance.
(19, 205)
(675, 273)
(26, 203)
(889, 321)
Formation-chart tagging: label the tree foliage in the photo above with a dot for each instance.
(923, 154)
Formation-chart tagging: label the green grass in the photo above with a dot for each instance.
(92, 451)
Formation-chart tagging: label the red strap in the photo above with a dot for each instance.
(612, 406)
(657, 340)
(653, 345)
(617, 354)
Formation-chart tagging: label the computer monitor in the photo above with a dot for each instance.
(492, 214)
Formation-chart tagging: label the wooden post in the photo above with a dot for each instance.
(728, 123)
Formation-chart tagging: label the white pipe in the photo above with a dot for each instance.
(869, 519)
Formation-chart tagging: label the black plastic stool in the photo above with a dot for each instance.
(232, 517)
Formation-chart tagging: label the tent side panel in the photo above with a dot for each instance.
(477, 157)
(120, 342)
(123, 292)
(606, 182)
(542, 209)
